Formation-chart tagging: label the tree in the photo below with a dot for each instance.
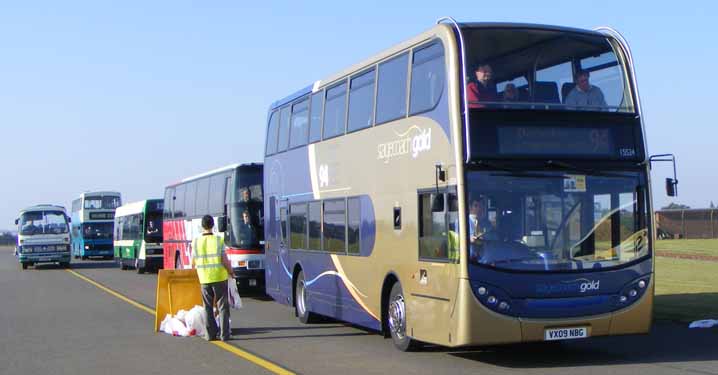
(676, 206)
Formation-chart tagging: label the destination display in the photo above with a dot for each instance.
(102, 215)
(540, 140)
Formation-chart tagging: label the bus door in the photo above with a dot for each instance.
(274, 243)
(285, 288)
(432, 290)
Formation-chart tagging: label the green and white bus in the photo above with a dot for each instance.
(138, 235)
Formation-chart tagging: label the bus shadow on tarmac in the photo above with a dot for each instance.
(93, 265)
(668, 342)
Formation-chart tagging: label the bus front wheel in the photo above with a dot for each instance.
(396, 316)
(300, 301)
(24, 266)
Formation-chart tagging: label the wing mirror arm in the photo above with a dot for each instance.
(671, 183)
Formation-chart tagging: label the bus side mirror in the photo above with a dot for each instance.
(69, 220)
(671, 185)
(222, 224)
(17, 221)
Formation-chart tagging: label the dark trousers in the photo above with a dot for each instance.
(216, 292)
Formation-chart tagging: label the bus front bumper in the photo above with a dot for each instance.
(54, 257)
(249, 278)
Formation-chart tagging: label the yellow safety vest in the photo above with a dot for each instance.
(208, 252)
(453, 246)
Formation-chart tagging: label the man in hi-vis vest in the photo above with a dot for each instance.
(213, 269)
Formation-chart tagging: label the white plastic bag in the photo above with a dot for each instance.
(235, 301)
(195, 320)
(176, 325)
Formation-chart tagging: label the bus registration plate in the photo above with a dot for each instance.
(567, 333)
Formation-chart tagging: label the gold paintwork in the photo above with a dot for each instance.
(375, 162)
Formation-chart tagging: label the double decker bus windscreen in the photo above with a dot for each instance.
(544, 69)
(97, 231)
(556, 221)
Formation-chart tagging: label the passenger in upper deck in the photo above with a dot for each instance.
(481, 87)
(584, 94)
(511, 94)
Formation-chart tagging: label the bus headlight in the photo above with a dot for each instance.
(87, 247)
(493, 298)
(633, 290)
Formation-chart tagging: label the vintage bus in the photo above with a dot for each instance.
(93, 215)
(233, 197)
(396, 203)
(138, 235)
(43, 236)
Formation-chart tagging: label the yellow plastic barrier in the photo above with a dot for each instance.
(176, 290)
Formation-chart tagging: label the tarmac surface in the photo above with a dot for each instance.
(52, 322)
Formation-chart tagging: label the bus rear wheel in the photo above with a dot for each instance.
(24, 265)
(140, 270)
(300, 301)
(396, 318)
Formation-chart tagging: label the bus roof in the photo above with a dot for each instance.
(133, 208)
(215, 171)
(422, 37)
(44, 207)
(99, 192)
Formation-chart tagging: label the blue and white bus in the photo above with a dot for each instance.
(43, 236)
(468, 186)
(93, 215)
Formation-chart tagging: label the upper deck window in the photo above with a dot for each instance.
(391, 91)
(300, 124)
(518, 68)
(283, 129)
(272, 133)
(427, 77)
(106, 202)
(315, 121)
(334, 111)
(361, 101)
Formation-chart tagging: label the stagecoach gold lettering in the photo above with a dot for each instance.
(413, 145)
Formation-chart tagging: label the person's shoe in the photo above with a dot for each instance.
(208, 338)
(226, 338)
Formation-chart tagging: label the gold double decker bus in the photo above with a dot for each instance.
(480, 183)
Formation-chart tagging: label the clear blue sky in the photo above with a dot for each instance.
(122, 95)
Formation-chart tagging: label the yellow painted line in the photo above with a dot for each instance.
(253, 358)
(261, 362)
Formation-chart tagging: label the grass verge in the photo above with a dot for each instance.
(686, 290)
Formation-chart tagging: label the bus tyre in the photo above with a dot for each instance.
(24, 265)
(396, 319)
(300, 301)
(140, 270)
(83, 257)
(178, 262)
